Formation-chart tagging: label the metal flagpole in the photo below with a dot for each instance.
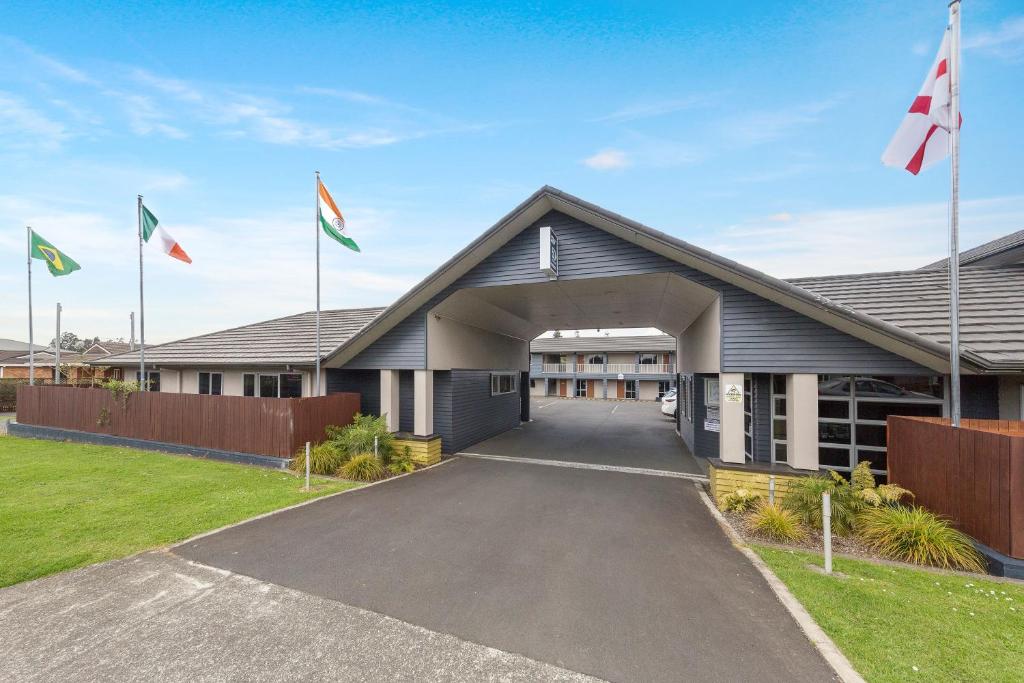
(56, 355)
(316, 226)
(31, 345)
(954, 211)
(142, 309)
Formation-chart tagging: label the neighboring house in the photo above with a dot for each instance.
(800, 373)
(75, 367)
(631, 368)
(15, 345)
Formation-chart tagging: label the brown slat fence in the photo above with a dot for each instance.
(263, 426)
(973, 475)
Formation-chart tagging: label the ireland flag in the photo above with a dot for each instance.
(57, 261)
(151, 226)
(331, 219)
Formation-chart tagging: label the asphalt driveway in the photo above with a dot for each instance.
(621, 576)
(617, 433)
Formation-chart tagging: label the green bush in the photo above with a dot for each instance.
(775, 523)
(363, 467)
(402, 464)
(804, 499)
(740, 500)
(863, 482)
(913, 534)
(357, 438)
(324, 458)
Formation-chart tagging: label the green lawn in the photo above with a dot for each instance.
(66, 505)
(889, 620)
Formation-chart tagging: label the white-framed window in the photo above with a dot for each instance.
(711, 391)
(272, 385)
(503, 383)
(648, 359)
(748, 417)
(595, 359)
(780, 445)
(581, 388)
(630, 391)
(211, 383)
(664, 386)
(249, 384)
(684, 401)
(152, 376)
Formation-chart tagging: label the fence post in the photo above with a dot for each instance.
(307, 465)
(826, 527)
(771, 489)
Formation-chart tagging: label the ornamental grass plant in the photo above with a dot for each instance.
(918, 536)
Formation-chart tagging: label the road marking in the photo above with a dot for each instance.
(546, 405)
(588, 466)
(614, 409)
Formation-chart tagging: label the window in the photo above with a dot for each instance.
(503, 383)
(630, 388)
(685, 397)
(852, 413)
(581, 388)
(211, 383)
(268, 386)
(648, 359)
(152, 377)
(664, 386)
(248, 384)
(596, 359)
(748, 418)
(291, 385)
(711, 391)
(780, 446)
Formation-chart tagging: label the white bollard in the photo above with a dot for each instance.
(375, 440)
(307, 465)
(771, 489)
(826, 527)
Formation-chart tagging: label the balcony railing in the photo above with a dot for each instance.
(609, 368)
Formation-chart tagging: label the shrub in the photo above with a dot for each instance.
(357, 438)
(363, 467)
(863, 482)
(324, 458)
(775, 523)
(913, 534)
(740, 500)
(402, 464)
(804, 499)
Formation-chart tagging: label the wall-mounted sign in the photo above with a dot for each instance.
(733, 393)
(549, 252)
(712, 426)
(621, 376)
(711, 412)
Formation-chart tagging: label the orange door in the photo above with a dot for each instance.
(620, 389)
(561, 388)
(590, 389)
(665, 359)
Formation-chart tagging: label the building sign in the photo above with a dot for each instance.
(711, 412)
(549, 252)
(733, 393)
(712, 426)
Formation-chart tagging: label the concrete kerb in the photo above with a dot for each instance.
(587, 466)
(304, 503)
(825, 646)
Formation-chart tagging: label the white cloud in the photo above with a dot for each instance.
(836, 241)
(654, 108)
(23, 127)
(1006, 42)
(922, 48)
(759, 127)
(607, 160)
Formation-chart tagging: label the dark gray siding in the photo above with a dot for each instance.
(476, 414)
(979, 397)
(705, 443)
(406, 400)
(757, 335)
(443, 408)
(365, 382)
(761, 395)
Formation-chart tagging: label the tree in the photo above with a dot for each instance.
(69, 341)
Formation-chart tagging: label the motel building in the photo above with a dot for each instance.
(773, 375)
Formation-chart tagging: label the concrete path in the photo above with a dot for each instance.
(623, 433)
(620, 576)
(158, 617)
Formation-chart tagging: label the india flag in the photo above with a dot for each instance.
(169, 245)
(331, 219)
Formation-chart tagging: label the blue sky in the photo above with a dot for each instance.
(752, 129)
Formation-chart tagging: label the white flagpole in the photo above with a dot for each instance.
(56, 355)
(31, 345)
(142, 309)
(316, 227)
(954, 211)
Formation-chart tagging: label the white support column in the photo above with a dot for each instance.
(423, 415)
(730, 438)
(389, 398)
(802, 421)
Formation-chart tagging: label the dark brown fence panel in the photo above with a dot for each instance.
(264, 426)
(973, 475)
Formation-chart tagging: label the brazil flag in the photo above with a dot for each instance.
(57, 261)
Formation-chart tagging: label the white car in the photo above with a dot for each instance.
(668, 403)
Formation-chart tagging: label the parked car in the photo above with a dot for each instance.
(669, 403)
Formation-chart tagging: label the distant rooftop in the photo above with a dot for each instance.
(15, 345)
(648, 342)
(1004, 250)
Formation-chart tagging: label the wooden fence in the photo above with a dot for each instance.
(973, 475)
(264, 426)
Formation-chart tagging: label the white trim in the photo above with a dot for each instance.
(211, 373)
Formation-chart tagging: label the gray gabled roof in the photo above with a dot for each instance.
(991, 307)
(1000, 251)
(15, 345)
(649, 342)
(282, 341)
